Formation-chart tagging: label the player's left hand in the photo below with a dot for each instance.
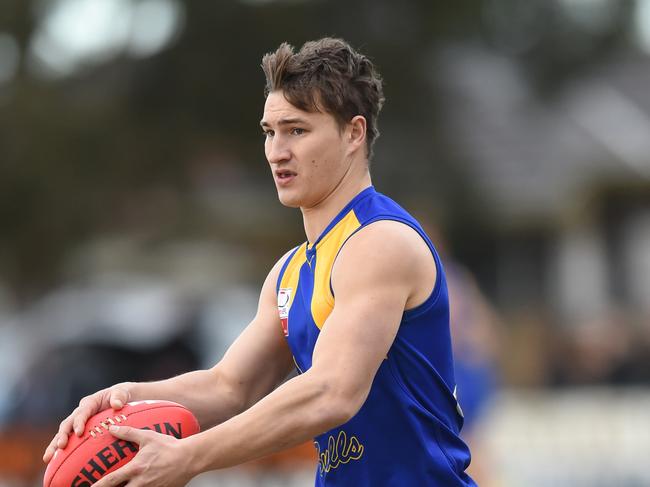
(160, 462)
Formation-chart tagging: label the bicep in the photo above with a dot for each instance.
(370, 302)
(355, 339)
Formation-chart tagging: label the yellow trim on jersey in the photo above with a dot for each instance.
(292, 273)
(322, 301)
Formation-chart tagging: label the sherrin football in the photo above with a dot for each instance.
(96, 453)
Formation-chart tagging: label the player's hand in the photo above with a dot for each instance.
(115, 397)
(160, 461)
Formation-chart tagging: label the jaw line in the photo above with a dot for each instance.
(340, 183)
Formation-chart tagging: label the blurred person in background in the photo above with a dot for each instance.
(477, 340)
(361, 310)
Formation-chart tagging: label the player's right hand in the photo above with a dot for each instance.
(115, 397)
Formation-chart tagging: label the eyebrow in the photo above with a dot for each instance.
(285, 121)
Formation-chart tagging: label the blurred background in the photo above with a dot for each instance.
(138, 218)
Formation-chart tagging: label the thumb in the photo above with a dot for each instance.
(129, 433)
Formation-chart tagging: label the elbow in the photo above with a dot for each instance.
(339, 403)
(230, 394)
(348, 405)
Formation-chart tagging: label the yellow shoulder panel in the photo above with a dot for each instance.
(322, 301)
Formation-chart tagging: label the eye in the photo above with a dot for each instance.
(268, 133)
(297, 131)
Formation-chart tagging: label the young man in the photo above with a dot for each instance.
(360, 309)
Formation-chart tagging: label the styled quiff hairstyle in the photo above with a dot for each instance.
(327, 75)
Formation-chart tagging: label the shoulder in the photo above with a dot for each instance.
(385, 250)
(388, 239)
(274, 274)
(277, 267)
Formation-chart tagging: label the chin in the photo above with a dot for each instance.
(290, 201)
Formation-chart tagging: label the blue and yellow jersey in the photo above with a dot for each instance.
(407, 431)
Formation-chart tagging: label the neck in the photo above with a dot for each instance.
(317, 217)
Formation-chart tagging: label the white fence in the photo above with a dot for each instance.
(587, 437)
(573, 438)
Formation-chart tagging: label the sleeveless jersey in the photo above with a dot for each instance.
(406, 434)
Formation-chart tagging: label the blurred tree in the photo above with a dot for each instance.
(88, 153)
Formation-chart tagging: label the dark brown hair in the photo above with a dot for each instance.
(327, 75)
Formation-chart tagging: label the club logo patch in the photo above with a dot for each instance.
(284, 303)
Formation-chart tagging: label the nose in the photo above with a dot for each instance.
(277, 151)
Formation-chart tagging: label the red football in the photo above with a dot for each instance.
(89, 457)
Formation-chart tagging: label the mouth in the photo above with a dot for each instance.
(284, 176)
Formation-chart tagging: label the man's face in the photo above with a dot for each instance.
(307, 152)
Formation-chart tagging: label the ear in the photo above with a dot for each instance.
(356, 133)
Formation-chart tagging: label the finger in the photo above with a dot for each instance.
(47, 454)
(128, 433)
(119, 477)
(61, 440)
(63, 433)
(87, 407)
(50, 454)
(49, 451)
(119, 397)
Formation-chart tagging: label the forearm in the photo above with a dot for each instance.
(204, 392)
(300, 409)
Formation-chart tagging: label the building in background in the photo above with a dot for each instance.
(136, 205)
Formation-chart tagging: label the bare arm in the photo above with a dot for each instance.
(255, 363)
(252, 367)
(398, 272)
